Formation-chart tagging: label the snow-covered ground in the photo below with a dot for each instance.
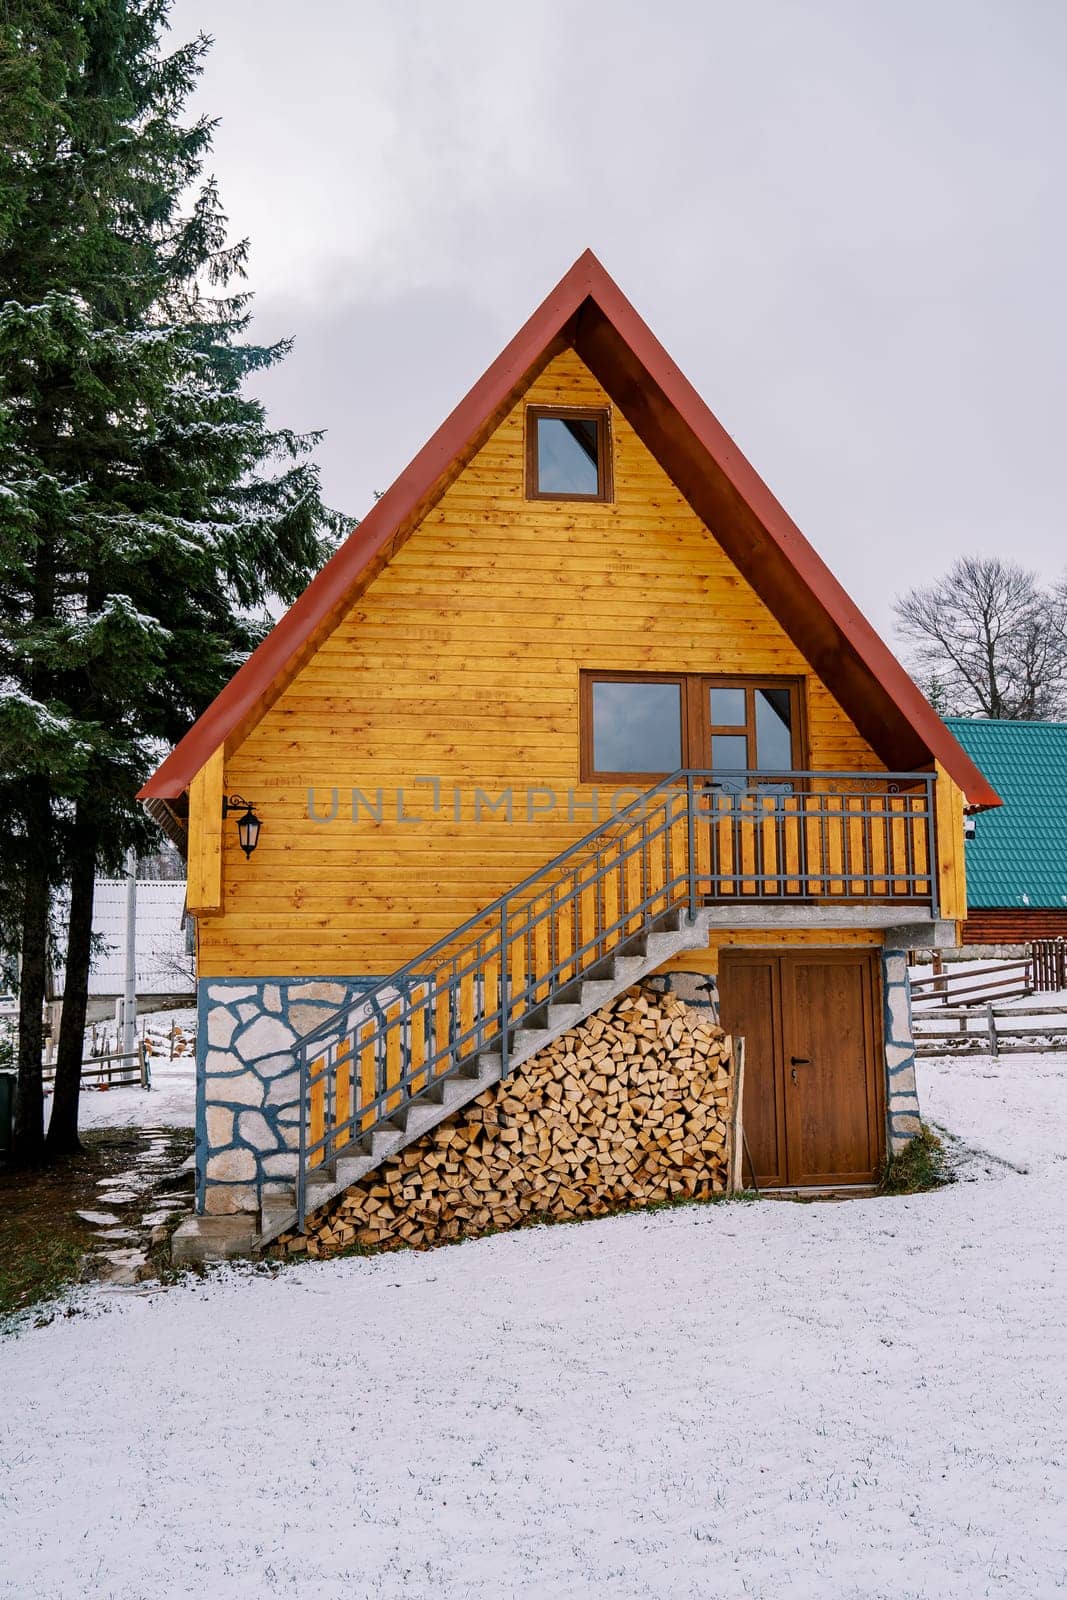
(735, 1402)
(1014, 1110)
(171, 1101)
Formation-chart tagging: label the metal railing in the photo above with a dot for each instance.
(692, 840)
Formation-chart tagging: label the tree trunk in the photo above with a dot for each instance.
(33, 974)
(63, 1126)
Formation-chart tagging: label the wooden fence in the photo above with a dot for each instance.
(120, 1068)
(990, 1031)
(1002, 980)
(1043, 970)
(1048, 965)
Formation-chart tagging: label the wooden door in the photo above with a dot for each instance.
(831, 1053)
(814, 1102)
(750, 1003)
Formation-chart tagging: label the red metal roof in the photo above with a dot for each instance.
(587, 309)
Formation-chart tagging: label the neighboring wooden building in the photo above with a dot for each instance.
(578, 587)
(1017, 857)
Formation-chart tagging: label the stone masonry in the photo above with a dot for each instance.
(902, 1098)
(247, 1080)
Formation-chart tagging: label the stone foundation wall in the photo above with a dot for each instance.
(247, 1080)
(971, 952)
(902, 1096)
(630, 1108)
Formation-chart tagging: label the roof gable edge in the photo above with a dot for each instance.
(311, 617)
(687, 439)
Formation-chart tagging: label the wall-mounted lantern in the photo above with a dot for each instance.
(248, 824)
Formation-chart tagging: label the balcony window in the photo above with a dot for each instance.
(643, 726)
(750, 729)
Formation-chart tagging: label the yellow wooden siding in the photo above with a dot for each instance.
(204, 866)
(708, 961)
(461, 661)
(951, 856)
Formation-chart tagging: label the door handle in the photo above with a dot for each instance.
(800, 1061)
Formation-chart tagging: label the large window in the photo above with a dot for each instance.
(646, 725)
(568, 455)
(637, 725)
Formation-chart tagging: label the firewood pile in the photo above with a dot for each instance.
(630, 1108)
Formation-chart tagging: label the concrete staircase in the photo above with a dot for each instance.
(638, 957)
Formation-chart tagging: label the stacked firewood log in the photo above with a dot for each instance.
(632, 1107)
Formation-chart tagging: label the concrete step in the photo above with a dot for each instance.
(628, 969)
(200, 1239)
(349, 1169)
(277, 1213)
(319, 1190)
(596, 992)
(526, 1042)
(385, 1141)
(417, 1118)
(563, 1016)
(449, 1092)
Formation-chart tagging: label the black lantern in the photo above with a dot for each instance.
(248, 824)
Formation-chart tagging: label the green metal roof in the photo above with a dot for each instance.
(1018, 856)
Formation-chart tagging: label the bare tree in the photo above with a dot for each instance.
(988, 641)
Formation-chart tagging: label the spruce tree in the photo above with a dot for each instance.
(148, 510)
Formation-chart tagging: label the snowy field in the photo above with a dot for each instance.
(171, 1101)
(1014, 1111)
(740, 1402)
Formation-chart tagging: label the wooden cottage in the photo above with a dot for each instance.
(575, 706)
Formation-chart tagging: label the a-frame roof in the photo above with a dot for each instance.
(588, 311)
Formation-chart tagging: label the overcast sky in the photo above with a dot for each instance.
(844, 218)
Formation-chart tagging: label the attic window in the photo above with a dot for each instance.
(568, 454)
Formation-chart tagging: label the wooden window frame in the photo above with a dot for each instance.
(601, 415)
(797, 726)
(697, 727)
(587, 772)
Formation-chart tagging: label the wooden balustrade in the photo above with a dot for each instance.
(813, 846)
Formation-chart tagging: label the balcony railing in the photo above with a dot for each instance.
(694, 840)
(812, 836)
